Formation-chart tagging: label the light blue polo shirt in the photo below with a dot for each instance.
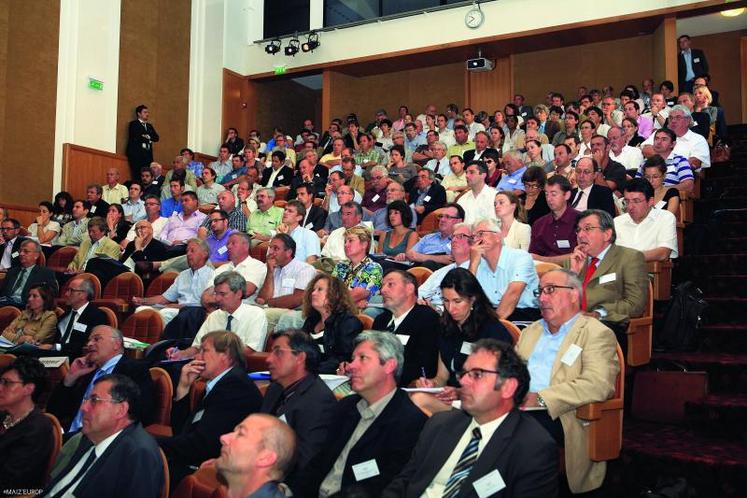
(514, 265)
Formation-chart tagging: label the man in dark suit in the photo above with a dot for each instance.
(413, 324)
(308, 175)
(375, 430)
(74, 327)
(615, 279)
(229, 397)
(315, 215)
(105, 356)
(141, 136)
(427, 195)
(129, 465)
(99, 207)
(14, 288)
(482, 141)
(516, 457)
(10, 243)
(590, 195)
(297, 395)
(279, 175)
(691, 63)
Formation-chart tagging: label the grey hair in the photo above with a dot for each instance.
(243, 236)
(234, 280)
(684, 110)
(513, 154)
(493, 224)
(463, 225)
(201, 244)
(440, 143)
(380, 169)
(387, 346)
(605, 221)
(269, 191)
(32, 242)
(571, 278)
(87, 286)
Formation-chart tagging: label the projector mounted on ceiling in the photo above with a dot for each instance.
(480, 63)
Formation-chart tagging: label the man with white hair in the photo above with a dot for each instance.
(689, 144)
(113, 191)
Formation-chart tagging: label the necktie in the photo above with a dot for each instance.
(69, 328)
(390, 327)
(22, 276)
(228, 323)
(89, 461)
(78, 420)
(589, 273)
(578, 198)
(463, 466)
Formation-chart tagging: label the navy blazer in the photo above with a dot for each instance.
(229, 402)
(436, 199)
(389, 441)
(521, 450)
(421, 351)
(14, 261)
(283, 178)
(131, 466)
(600, 197)
(39, 275)
(307, 411)
(92, 317)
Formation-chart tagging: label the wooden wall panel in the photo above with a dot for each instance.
(89, 165)
(28, 79)
(235, 107)
(154, 70)
(26, 215)
(415, 88)
(743, 65)
(594, 65)
(286, 104)
(664, 52)
(490, 90)
(723, 53)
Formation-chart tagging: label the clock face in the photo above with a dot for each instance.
(474, 18)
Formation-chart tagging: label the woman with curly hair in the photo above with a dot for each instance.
(329, 314)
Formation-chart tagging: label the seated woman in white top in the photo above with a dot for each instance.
(509, 211)
(44, 229)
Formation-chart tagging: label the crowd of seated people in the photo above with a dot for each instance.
(282, 246)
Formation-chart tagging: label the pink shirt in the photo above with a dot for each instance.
(178, 229)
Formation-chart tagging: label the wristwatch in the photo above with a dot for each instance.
(541, 401)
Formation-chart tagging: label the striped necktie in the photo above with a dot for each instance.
(463, 466)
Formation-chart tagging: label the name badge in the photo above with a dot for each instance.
(154, 183)
(365, 470)
(375, 198)
(697, 59)
(610, 277)
(222, 250)
(489, 484)
(570, 356)
(660, 205)
(14, 254)
(403, 339)
(80, 327)
(287, 282)
(280, 177)
(512, 180)
(198, 416)
(426, 198)
(564, 244)
(309, 226)
(321, 348)
(283, 419)
(93, 209)
(466, 348)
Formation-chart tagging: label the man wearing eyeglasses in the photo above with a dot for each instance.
(10, 243)
(14, 288)
(489, 447)
(297, 395)
(688, 143)
(507, 275)
(649, 230)
(679, 174)
(116, 457)
(104, 355)
(434, 250)
(585, 372)
(615, 280)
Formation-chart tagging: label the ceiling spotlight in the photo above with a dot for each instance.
(273, 47)
(733, 12)
(311, 43)
(292, 48)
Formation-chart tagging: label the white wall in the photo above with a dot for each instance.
(424, 30)
(89, 46)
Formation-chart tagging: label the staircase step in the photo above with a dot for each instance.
(723, 337)
(727, 372)
(714, 467)
(701, 268)
(725, 286)
(726, 310)
(732, 244)
(733, 229)
(719, 415)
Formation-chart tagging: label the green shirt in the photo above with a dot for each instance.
(459, 150)
(264, 222)
(373, 154)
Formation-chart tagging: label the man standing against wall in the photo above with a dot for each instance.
(141, 136)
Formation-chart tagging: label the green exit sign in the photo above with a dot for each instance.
(280, 70)
(95, 84)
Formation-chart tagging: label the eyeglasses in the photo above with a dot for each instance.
(448, 217)
(634, 201)
(95, 400)
(8, 228)
(587, 229)
(74, 290)
(652, 177)
(279, 351)
(475, 373)
(531, 185)
(7, 382)
(549, 289)
(461, 236)
(482, 233)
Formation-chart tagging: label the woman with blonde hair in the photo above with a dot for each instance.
(359, 272)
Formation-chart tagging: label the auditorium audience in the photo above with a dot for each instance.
(18, 281)
(399, 239)
(96, 244)
(510, 214)
(37, 323)
(62, 208)
(117, 225)
(44, 229)
(665, 197)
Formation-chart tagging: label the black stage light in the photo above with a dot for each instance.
(273, 47)
(311, 42)
(292, 48)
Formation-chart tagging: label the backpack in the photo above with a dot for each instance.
(682, 319)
